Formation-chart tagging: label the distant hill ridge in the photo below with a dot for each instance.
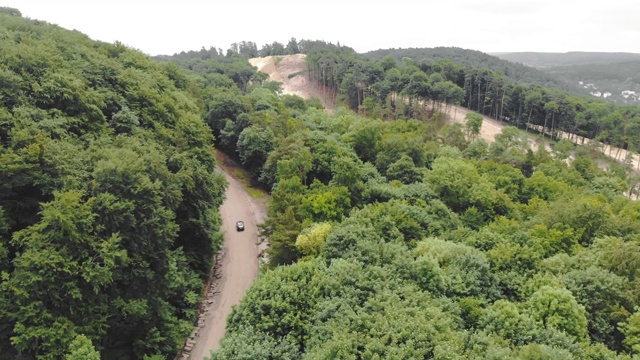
(546, 59)
(515, 71)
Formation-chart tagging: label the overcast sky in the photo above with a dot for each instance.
(166, 27)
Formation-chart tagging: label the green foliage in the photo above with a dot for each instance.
(505, 319)
(556, 308)
(404, 170)
(466, 271)
(254, 145)
(311, 241)
(391, 324)
(364, 137)
(108, 197)
(249, 344)
(549, 242)
(473, 124)
(505, 265)
(326, 204)
(10, 11)
(562, 149)
(632, 332)
(505, 276)
(602, 295)
(81, 348)
(273, 304)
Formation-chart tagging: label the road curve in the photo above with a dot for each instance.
(239, 265)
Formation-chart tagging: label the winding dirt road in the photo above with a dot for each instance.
(239, 265)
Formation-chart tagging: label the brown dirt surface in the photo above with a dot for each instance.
(238, 262)
(490, 127)
(291, 71)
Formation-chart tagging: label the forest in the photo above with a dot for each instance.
(392, 89)
(613, 78)
(606, 72)
(108, 198)
(513, 70)
(393, 234)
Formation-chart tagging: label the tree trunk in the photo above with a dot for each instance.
(479, 91)
(502, 105)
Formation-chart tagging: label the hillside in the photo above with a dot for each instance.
(391, 235)
(397, 239)
(614, 81)
(108, 198)
(472, 58)
(542, 60)
(604, 75)
(291, 71)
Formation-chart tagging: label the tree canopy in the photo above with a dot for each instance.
(108, 198)
(404, 239)
(392, 234)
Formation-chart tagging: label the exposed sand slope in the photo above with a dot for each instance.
(291, 71)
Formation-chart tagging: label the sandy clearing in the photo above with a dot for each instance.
(291, 71)
(490, 127)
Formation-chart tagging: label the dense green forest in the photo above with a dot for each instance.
(399, 237)
(514, 71)
(393, 235)
(249, 49)
(390, 89)
(108, 197)
(397, 240)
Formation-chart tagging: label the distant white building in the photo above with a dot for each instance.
(629, 94)
(596, 93)
(606, 95)
(580, 82)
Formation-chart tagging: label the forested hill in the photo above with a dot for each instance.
(472, 58)
(613, 78)
(395, 236)
(610, 73)
(540, 59)
(108, 197)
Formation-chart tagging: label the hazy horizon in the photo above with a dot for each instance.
(495, 26)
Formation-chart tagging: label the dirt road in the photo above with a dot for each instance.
(239, 265)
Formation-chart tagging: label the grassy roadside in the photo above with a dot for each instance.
(243, 176)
